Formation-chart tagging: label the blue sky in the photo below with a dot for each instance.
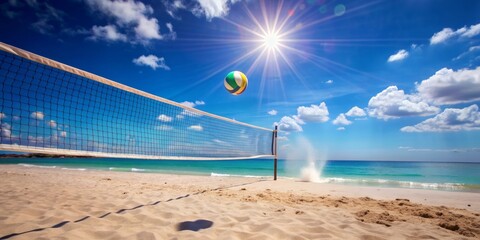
(387, 80)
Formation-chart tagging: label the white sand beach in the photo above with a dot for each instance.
(38, 203)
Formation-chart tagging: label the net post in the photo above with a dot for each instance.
(274, 152)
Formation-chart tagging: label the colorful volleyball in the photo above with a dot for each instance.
(236, 82)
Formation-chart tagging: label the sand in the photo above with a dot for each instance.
(37, 203)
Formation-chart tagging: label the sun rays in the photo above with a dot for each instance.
(273, 41)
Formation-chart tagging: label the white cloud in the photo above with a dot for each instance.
(108, 32)
(171, 7)
(450, 120)
(394, 103)
(400, 55)
(171, 34)
(356, 112)
(451, 87)
(329, 81)
(6, 133)
(341, 120)
(298, 120)
(169, 26)
(188, 104)
(52, 124)
(313, 113)
(448, 33)
(442, 36)
(148, 29)
(341, 129)
(198, 128)
(37, 115)
(35, 140)
(208, 8)
(212, 8)
(5, 130)
(2, 115)
(472, 31)
(152, 61)
(163, 128)
(189, 113)
(474, 48)
(193, 104)
(164, 118)
(467, 53)
(273, 112)
(130, 13)
(288, 124)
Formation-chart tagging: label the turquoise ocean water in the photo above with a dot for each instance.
(425, 175)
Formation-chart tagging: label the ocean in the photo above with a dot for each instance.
(446, 176)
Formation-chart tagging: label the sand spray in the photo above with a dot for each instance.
(311, 160)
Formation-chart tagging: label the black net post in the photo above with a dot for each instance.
(274, 153)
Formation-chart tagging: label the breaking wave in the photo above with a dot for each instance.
(233, 175)
(394, 183)
(37, 166)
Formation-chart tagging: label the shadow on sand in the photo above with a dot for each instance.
(195, 225)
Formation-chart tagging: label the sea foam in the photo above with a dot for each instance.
(394, 183)
(75, 169)
(138, 170)
(233, 175)
(37, 166)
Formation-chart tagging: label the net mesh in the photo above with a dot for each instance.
(49, 107)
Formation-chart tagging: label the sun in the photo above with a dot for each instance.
(271, 40)
(275, 40)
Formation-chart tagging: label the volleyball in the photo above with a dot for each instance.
(236, 82)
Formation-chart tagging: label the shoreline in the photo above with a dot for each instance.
(102, 204)
(354, 182)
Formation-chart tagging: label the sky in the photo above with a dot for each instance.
(360, 80)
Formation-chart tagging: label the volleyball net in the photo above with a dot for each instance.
(49, 107)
